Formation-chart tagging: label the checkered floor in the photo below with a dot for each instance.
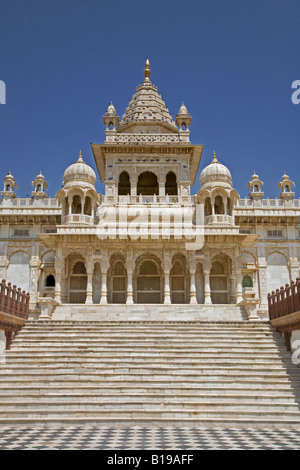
(146, 438)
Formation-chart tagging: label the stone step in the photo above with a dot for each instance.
(258, 422)
(105, 396)
(136, 361)
(123, 405)
(145, 368)
(133, 414)
(140, 380)
(256, 390)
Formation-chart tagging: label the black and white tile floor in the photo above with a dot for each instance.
(146, 438)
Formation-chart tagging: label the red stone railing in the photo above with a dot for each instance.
(285, 300)
(14, 301)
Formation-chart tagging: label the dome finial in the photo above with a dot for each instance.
(80, 157)
(147, 71)
(215, 160)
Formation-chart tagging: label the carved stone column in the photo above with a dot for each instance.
(167, 290)
(193, 292)
(89, 288)
(129, 300)
(129, 265)
(104, 266)
(90, 271)
(167, 266)
(59, 262)
(262, 273)
(206, 270)
(35, 264)
(3, 267)
(239, 279)
(294, 268)
(239, 287)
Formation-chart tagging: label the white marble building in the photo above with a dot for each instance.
(148, 240)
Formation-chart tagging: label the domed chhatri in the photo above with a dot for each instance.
(79, 172)
(215, 174)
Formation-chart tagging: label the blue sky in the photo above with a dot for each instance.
(232, 62)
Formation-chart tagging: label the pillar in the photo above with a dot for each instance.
(129, 300)
(193, 293)
(207, 291)
(167, 290)
(103, 300)
(239, 287)
(58, 286)
(35, 264)
(89, 288)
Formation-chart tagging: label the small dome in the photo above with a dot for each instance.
(79, 172)
(215, 172)
(183, 110)
(111, 110)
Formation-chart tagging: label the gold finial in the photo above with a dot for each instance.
(80, 157)
(215, 160)
(147, 71)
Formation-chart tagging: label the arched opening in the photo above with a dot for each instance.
(147, 184)
(219, 283)
(50, 281)
(287, 189)
(148, 283)
(76, 205)
(200, 284)
(229, 207)
(247, 281)
(178, 290)
(256, 188)
(219, 205)
(171, 188)
(78, 284)
(39, 188)
(119, 283)
(124, 184)
(8, 188)
(88, 206)
(207, 207)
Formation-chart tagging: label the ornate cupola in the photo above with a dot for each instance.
(78, 196)
(9, 186)
(40, 185)
(285, 187)
(110, 118)
(216, 194)
(183, 118)
(255, 186)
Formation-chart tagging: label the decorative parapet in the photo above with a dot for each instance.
(284, 301)
(115, 138)
(271, 204)
(284, 309)
(14, 309)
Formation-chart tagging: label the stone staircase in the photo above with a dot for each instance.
(149, 373)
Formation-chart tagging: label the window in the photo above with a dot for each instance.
(21, 232)
(247, 281)
(275, 233)
(50, 281)
(245, 231)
